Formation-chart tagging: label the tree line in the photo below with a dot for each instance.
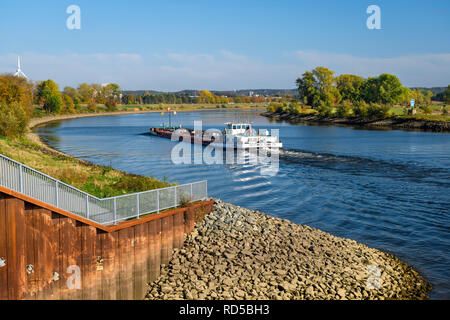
(321, 92)
(320, 87)
(18, 96)
(204, 97)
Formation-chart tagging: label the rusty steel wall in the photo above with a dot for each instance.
(47, 255)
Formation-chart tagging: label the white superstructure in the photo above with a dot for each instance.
(243, 136)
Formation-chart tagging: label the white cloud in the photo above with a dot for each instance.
(221, 71)
(169, 72)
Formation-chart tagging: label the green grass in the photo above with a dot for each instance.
(427, 117)
(100, 181)
(397, 111)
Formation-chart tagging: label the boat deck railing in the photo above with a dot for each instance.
(35, 184)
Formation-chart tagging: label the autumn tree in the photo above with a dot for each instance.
(317, 87)
(16, 100)
(16, 89)
(447, 95)
(349, 86)
(385, 89)
(71, 92)
(131, 99)
(206, 96)
(111, 104)
(85, 92)
(49, 96)
(68, 105)
(405, 96)
(307, 89)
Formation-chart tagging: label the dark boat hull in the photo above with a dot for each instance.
(168, 132)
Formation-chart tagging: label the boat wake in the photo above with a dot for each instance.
(359, 166)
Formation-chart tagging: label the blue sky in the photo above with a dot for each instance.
(222, 45)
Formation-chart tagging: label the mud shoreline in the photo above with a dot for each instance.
(388, 123)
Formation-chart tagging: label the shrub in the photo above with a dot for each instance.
(135, 183)
(111, 104)
(344, 110)
(426, 109)
(360, 110)
(376, 111)
(275, 107)
(92, 105)
(324, 111)
(295, 108)
(13, 119)
(444, 111)
(76, 103)
(185, 201)
(68, 104)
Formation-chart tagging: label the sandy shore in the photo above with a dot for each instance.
(236, 253)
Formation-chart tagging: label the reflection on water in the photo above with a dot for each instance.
(387, 189)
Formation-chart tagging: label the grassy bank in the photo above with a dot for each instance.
(362, 112)
(100, 181)
(433, 123)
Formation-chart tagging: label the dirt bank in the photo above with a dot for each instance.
(392, 123)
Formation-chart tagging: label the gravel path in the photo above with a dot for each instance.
(235, 253)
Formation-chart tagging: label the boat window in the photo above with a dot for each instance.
(234, 127)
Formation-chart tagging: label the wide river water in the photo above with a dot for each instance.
(387, 189)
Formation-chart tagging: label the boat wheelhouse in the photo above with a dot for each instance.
(236, 135)
(243, 136)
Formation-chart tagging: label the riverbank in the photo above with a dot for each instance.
(314, 267)
(236, 253)
(406, 123)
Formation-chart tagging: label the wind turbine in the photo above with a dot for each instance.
(19, 72)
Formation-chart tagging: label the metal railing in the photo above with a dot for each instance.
(30, 182)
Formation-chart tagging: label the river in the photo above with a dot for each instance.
(387, 189)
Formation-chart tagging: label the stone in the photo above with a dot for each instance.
(244, 254)
(166, 289)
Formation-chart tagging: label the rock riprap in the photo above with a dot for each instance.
(236, 253)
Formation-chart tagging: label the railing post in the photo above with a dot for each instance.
(137, 205)
(20, 178)
(206, 189)
(87, 206)
(56, 194)
(176, 202)
(115, 210)
(192, 194)
(157, 200)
